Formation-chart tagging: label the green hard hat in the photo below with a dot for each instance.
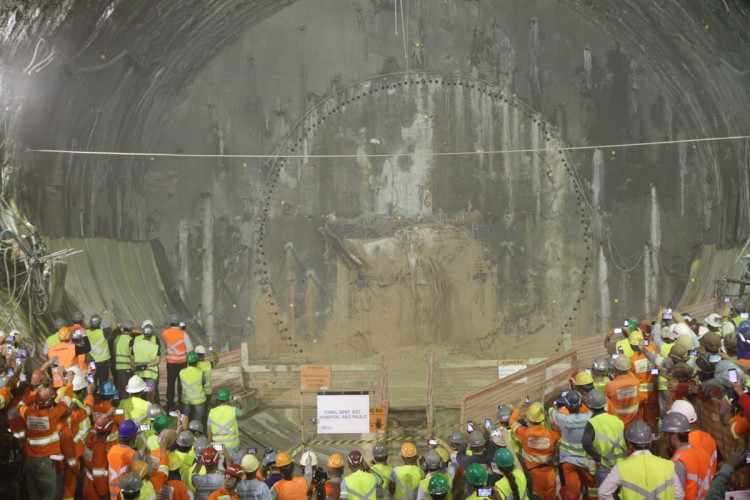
(161, 422)
(477, 475)
(223, 395)
(192, 357)
(438, 485)
(631, 325)
(504, 458)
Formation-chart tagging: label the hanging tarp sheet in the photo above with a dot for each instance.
(118, 279)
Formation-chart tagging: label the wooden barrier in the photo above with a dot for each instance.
(535, 383)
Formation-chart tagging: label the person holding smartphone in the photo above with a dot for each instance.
(477, 477)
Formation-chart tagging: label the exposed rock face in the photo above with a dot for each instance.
(566, 242)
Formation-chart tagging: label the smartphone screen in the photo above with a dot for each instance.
(174, 413)
(469, 426)
(252, 451)
(218, 447)
(119, 411)
(732, 374)
(145, 427)
(645, 342)
(485, 492)
(654, 371)
(487, 423)
(618, 330)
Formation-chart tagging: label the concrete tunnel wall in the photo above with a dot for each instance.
(601, 233)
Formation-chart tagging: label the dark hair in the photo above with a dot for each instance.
(287, 471)
(508, 473)
(683, 437)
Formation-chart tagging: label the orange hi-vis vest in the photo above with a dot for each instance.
(697, 466)
(705, 441)
(623, 397)
(539, 444)
(65, 352)
(291, 489)
(641, 367)
(174, 340)
(74, 433)
(119, 459)
(43, 431)
(95, 462)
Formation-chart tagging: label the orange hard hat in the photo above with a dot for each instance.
(336, 461)
(408, 450)
(64, 334)
(283, 459)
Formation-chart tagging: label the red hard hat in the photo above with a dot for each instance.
(210, 456)
(645, 327)
(234, 470)
(104, 424)
(355, 458)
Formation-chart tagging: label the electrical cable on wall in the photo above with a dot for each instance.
(386, 155)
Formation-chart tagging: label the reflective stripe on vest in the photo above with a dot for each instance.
(99, 346)
(222, 422)
(355, 492)
(191, 379)
(83, 430)
(52, 438)
(697, 470)
(122, 352)
(609, 442)
(645, 476)
(404, 474)
(174, 341)
(145, 352)
(626, 410)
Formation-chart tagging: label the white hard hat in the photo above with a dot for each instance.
(702, 330)
(685, 408)
(135, 385)
(713, 320)
(667, 332)
(683, 329)
(147, 322)
(199, 349)
(308, 459)
(79, 382)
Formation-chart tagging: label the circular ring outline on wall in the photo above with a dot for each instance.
(337, 103)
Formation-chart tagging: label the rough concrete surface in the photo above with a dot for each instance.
(397, 249)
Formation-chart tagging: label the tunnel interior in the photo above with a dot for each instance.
(373, 215)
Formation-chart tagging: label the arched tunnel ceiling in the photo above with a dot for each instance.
(197, 76)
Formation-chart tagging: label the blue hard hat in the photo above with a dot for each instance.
(744, 327)
(127, 430)
(108, 389)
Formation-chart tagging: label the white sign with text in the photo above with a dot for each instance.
(343, 413)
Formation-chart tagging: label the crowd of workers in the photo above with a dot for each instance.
(89, 423)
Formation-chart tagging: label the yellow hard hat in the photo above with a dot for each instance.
(444, 455)
(584, 378)
(283, 459)
(408, 450)
(336, 461)
(535, 413)
(635, 337)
